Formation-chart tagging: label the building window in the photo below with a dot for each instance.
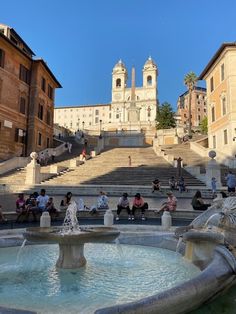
(40, 112)
(48, 142)
(50, 91)
(213, 114)
(117, 116)
(96, 120)
(149, 112)
(118, 82)
(149, 80)
(96, 112)
(39, 139)
(212, 84)
(24, 74)
(109, 115)
(48, 118)
(198, 109)
(185, 115)
(223, 106)
(2, 58)
(43, 84)
(22, 105)
(214, 141)
(222, 72)
(199, 118)
(225, 137)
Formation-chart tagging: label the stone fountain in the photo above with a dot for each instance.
(71, 238)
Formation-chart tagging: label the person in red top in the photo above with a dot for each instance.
(138, 202)
(171, 203)
(21, 207)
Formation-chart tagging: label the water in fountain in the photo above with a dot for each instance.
(179, 244)
(19, 252)
(37, 284)
(71, 224)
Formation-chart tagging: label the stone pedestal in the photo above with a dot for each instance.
(33, 175)
(213, 170)
(71, 256)
(93, 153)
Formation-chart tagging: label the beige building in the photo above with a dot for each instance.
(198, 107)
(27, 92)
(83, 117)
(130, 108)
(220, 76)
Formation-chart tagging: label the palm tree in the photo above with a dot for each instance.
(190, 81)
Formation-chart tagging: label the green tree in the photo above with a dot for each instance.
(190, 81)
(165, 117)
(204, 125)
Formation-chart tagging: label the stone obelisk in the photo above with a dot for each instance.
(133, 113)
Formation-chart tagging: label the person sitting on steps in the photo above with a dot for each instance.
(21, 208)
(170, 205)
(198, 203)
(102, 203)
(138, 203)
(156, 185)
(53, 212)
(123, 204)
(172, 183)
(66, 201)
(181, 185)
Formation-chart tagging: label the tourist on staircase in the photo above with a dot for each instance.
(231, 182)
(181, 185)
(42, 200)
(50, 207)
(170, 205)
(66, 201)
(123, 204)
(156, 185)
(138, 203)
(21, 208)
(198, 203)
(102, 203)
(172, 183)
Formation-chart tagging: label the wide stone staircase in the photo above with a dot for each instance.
(16, 178)
(112, 168)
(190, 158)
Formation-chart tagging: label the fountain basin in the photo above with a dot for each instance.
(213, 280)
(71, 243)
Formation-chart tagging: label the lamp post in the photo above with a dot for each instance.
(83, 124)
(78, 123)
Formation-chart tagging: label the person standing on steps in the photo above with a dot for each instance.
(231, 182)
(179, 167)
(129, 161)
(69, 147)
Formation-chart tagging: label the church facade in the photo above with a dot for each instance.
(131, 108)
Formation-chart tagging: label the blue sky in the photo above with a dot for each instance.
(81, 40)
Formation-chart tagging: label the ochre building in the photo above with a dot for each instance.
(198, 107)
(220, 76)
(27, 92)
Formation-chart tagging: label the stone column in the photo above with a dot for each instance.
(213, 170)
(33, 175)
